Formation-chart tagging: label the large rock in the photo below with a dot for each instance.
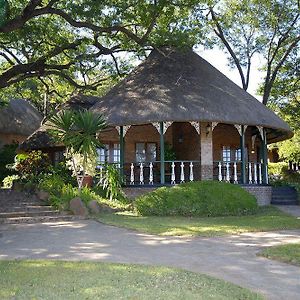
(78, 208)
(43, 195)
(94, 207)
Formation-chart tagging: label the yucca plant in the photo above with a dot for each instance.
(77, 131)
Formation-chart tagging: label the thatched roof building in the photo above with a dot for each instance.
(179, 85)
(19, 118)
(40, 139)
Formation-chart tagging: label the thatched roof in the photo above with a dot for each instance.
(19, 118)
(174, 85)
(40, 139)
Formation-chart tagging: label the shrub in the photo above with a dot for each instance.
(9, 180)
(52, 184)
(7, 155)
(204, 198)
(111, 182)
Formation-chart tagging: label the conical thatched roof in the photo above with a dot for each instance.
(19, 118)
(40, 139)
(177, 85)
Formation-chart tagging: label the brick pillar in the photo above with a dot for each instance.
(206, 145)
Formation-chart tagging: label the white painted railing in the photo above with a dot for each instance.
(175, 172)
(231, 172)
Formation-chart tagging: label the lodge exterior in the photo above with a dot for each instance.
(176, 118)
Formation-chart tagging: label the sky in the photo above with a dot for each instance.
(218, 59)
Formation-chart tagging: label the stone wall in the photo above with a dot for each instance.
(134, 192)
(262, 193)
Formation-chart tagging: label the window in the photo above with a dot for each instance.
(145, 152)
(226, 154)
(116, 153)
(140, 152)
(238, 155)
(103, 154)
(151, 152)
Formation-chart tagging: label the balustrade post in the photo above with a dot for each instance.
(141, 174)
(259, 174)
(255, 173)
(181, 172)
(151, 173)
(132, 174)
(220, 177)
(173, 178)
(250, 173)
(235, 179)
(191, 172)
(227, 173)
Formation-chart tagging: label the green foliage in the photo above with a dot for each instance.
(111, 182)
(170, 153)
(204, 198)
(289, 150)
(3, 11)
(52, 184)
(277, 169)
(78, 132)
(9, 180)
(7, 155)
(32, 164)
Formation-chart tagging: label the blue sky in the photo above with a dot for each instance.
(218, 59)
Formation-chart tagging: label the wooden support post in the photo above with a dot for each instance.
(243, 165)
(265, 158)
(122, 154)
(162, 154)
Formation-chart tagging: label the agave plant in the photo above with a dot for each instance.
(78, 132)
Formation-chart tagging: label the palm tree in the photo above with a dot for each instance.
(77, 131)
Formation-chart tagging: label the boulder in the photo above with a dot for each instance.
(94, 207)
(43, 195)
(78, 208)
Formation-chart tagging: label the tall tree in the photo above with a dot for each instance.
(82, 43)
(270, 28)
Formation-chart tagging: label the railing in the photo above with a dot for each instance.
(149, 172)
(232, 172)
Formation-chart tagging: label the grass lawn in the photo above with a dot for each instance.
(267, 219)
(78, 280)
(289, 253)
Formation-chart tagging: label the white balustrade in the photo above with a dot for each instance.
(181, 172)
(173, 178)
(131, 174)
(220, 171)
(151, 173)
(250, 173)
(259, 174)
(255, 173)
(191, 172)
(235, 178)
(141, 173)
(227, 173)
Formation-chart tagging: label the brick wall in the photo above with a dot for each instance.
(263, 194)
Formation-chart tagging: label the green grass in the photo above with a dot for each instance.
(266, 219)
(289, 253)
(78, 280)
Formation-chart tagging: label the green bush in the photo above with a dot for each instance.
(7, 156)
(52, 184)
(204, 198)
(9, 180)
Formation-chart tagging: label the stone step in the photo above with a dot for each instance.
(13, 214)
(39, 219)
